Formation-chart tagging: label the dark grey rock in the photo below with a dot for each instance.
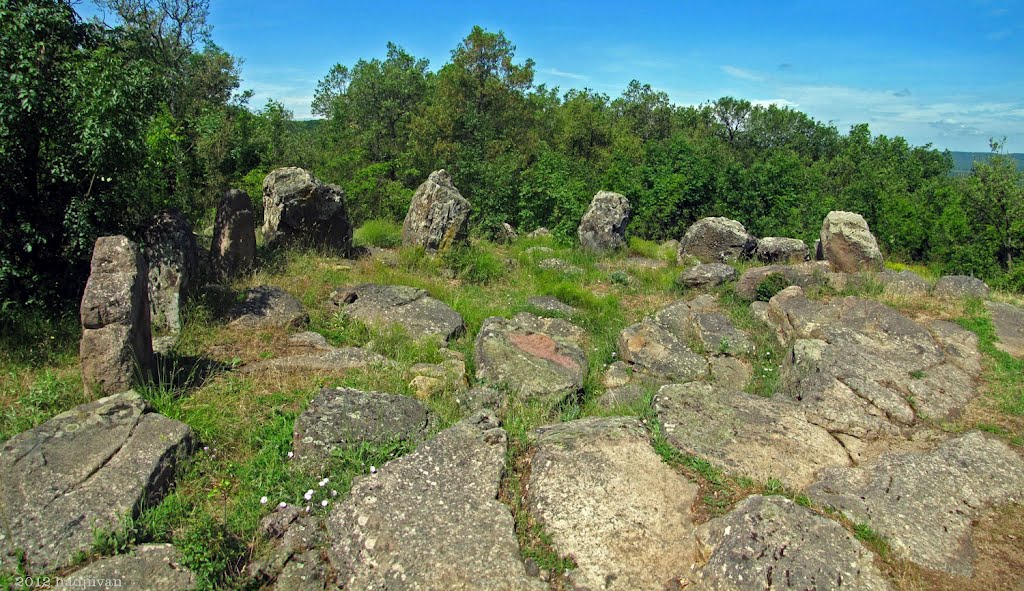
(300, 210)
(233, 249)
(706, 275)
(172, 256)
(153, 567)
(955, 287)
(603, 227)
(773, 250)
(848, 244)
(717, 240)
(438, 215)
(383, 306)
(267, 306)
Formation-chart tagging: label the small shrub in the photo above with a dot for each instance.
(771, 285)
(379, 234)
(619, 277)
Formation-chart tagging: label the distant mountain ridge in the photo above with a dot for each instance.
(962, 161)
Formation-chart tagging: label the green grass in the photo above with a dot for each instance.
(766, 355)
(379, 234)
(1001, 371)
(873, 539)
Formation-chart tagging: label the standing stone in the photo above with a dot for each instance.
(603, 227)
(716, 240)
(781, 250)
(298, 209)
(438, 215)
(172, 255)
(848, 244)
(117, 347)
(234, 235)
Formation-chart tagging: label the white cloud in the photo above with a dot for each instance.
(743, 74)
(563, 74)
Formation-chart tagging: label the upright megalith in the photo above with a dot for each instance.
(234, 235)
(848, 244)
(299, 209)
(603, 227)
(172, 256)
(116, 347)
(438, 215)
(717, 240)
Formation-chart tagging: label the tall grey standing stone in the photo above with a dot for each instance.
(84, 470)
(234, 236)
(438, 215)
(172, 255)
(603, 227)
(431, 520)
(299, 209)
(117, 347)
(848, 244)
(717, 240)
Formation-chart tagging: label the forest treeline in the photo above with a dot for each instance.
(104, 124)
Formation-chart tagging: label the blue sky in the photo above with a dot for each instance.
(948, 73)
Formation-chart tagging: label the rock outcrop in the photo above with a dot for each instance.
(603, 227)
(172, 257)
(1008, 321)
(117, 345)
(298, 209)
(957, 287)
(383, 306)
(438, 215)
(848, 244)
(717, 240)
(773, 250)
(266, 306)
(806, 275)
(154, 567)
(233, 249)
(706, 275)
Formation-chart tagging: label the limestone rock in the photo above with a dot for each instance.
(609, 501)
(747, 435)
(806, 275)
(706, 275)
(233, 249)
(551, 305)
(603, 227)
(88, 468)
(1009, 324)
(267, 306)
(653, 349)
(154, 567)
(955, 287)
(428, 379)
(773, 543)
(117, 344)
(172, 256)
(774, 250)
(506, 234)
(924, 503)
(344, 417)
(438, 215)
(383, 306)
(848, 244)
(432, 520)
(717, 240)
(299, 209)
(532, 356)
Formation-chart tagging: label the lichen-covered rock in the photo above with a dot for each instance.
(603, 227)
(154, 567)
(84, 470)
(116, 350)
(806, 275)
(540, 233)
(172, 257)
(339, 418)
(848, 244)
(551, 305)
(298, 209)
(903, 283)
(432, 519)
(294, 560)
(506, 234)
(266, 306)
(429, 379)
(651, 348)
(717, 240)
(326, 360)
(233, 249)
(773, 250)
(382, 306)
(956, 287)
(924, 504)
(773, 543)
(609, 501)
(1008, 321)
(534, 357)
(706, 275)
(560, 266)
(438, 215)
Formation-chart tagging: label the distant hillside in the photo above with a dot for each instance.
(962, 161)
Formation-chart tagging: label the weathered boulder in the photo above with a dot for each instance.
(438, 215)
(624, 386)
(506, 233)
(903, 283)
(747, 435)
(848, 244)
(773, 250)
(1009, 324)
(299, 209)
(717, 240)
(603, 227)
(560, 266)
(924, 503)
(84, 470)
(551, 305)
(651, 348)
(806, 275)
(432, 520)
(773, 543)
(294, 561)
(117, 345)
(172, 256)
(154, 567)
(540, 233)
(706, 275)
(428, 379)
(413, 310)
(479, 398)
(532, 356)
(266, 306)
(233, 249)
(327, 360)
(956, 287)
(715, 333)
(608, 500)
(339, 418)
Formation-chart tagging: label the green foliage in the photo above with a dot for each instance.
(378, 233)
(876, 541)
(772, 284)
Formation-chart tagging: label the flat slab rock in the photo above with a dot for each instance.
(431, 519)
(267, 306)
(153, 567)
(383, 306)
(84, 469)
(551, 305)
(747, 435)
(343, 417)
(924, 504)
(536, 357)
(328, 360)
(706, 275)
(1009, 324)
(773, 543)
(609, 501)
